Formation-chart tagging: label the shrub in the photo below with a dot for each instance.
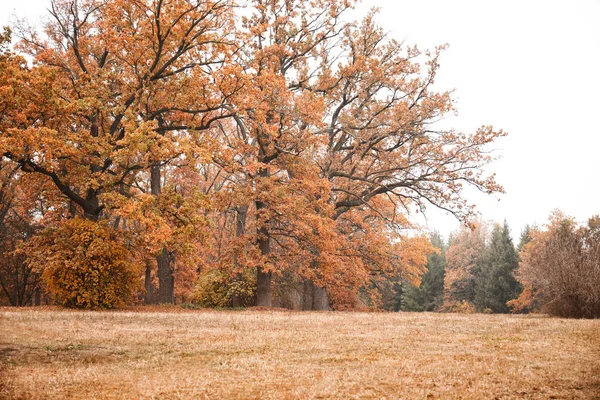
(216, 288)
(458, 306)
(86, 264)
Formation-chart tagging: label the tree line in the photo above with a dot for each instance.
(265, 152)
(553, 269)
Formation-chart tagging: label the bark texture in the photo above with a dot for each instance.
(314, 297)
(240, 229)
(164, 261)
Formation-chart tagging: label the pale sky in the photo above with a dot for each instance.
(531, 68)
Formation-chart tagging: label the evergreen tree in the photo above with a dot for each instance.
(495, 282)
(465, 257)
(392, 294)
(430, 294)
(525, 238)
(413, 298)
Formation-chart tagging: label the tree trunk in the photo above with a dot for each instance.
(314, 297)
(155, 184)
(149, 296)
(263, 279)
(263, 288)
(166, 281)
(240, 229)
(92, 209)
(307, 295)
(320, 299)
(38, 297)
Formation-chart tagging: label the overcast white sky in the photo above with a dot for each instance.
(529, 67)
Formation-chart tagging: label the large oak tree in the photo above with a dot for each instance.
(309, 138)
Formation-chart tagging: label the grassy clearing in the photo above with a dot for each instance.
(259, 354)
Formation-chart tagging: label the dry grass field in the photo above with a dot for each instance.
(171, 354)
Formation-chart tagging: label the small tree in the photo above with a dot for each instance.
(524, 239)
(465, 257)
(560, 269)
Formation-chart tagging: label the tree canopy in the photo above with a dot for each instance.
(270, 136)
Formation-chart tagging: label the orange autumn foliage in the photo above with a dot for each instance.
(171, 119)
(463, 258)
(85, 264)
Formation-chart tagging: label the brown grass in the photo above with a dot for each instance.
(55, 353)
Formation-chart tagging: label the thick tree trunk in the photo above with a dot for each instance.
(307, 295)
(263, 288)
(166, 281)
(149, 296)
(240, 229)
(263, 279)
(314, 297)
(320, 299)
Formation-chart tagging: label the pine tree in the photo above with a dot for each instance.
(525, 238)
(495, 283)
(430, 294)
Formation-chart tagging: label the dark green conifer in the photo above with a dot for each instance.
(429, 295)
(495, 282)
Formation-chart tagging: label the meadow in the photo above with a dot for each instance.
(171, 353)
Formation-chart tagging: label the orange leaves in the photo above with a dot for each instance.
(527, 301)
(85, 264)
(118, 86)
(382, 141)
(323, 131)
(464, 257)
(413, 254)
(167, 220)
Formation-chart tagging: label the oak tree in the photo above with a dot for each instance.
(117, 89)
